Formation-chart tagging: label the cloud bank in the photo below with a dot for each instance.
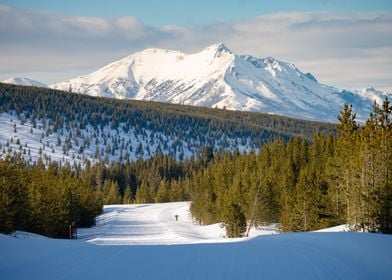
(348, 50)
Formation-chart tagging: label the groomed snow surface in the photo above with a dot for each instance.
(155, 224)
(324, 255)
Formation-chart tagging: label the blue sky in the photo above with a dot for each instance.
(196, 12)
(343, 43)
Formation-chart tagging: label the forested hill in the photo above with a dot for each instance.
(68, 127)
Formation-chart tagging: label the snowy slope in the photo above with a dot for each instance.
(23, 82)
(32, 141)
(285, 256)
(155, 224)
(216, 77)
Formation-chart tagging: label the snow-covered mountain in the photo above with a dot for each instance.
(216, 77)
(24, 82)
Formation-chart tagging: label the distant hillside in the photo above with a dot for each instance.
(21, 81)
(68, 127)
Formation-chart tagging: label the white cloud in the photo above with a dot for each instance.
(343, 49)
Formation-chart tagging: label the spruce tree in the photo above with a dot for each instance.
(234, 220)
(127, 199)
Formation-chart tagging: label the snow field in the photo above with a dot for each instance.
(324, 255)
(344, 255)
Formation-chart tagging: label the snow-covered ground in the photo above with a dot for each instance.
(325, 255)
(345, 255)
(340, 228)
(148, 224)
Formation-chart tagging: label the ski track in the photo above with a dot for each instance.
(154, 224)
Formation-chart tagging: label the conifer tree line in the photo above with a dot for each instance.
(305, 185)
(44, 200)
(58, 109)
(157, 179)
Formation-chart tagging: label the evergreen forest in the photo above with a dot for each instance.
(301, 175)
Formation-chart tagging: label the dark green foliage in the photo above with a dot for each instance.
(127, 198)
(44, 201)
(111, 192)
(234, 220)
(305, 185)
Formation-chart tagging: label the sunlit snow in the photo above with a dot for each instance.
(324, 255)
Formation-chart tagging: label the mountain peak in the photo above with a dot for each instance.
(158, 50)
(218, 48)
(371, 88)
(216, 77)
(22, 81)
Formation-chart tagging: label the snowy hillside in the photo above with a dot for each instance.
(216, 77)
(34, 140)
(24, 82)
(154, 224)
(68, 127)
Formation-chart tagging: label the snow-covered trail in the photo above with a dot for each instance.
(153, 224)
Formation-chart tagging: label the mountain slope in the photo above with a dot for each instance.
(67, 127)
(23, 82)
(216, 77)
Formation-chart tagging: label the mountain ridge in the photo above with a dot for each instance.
(23, 81)
(218, 78)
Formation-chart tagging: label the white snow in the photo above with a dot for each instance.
(216, 77)
(27, 235)
(21, 81)
(343, 255)
(371, 94)
(339, 228)
(148, 224)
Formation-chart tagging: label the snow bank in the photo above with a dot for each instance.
(339, 228)
(29, 235)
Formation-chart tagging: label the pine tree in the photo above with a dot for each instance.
(127, 199)
(143, 194)
(234, 220)
(344, 169)
(377, 166)
(163, 194)
(111, 192)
